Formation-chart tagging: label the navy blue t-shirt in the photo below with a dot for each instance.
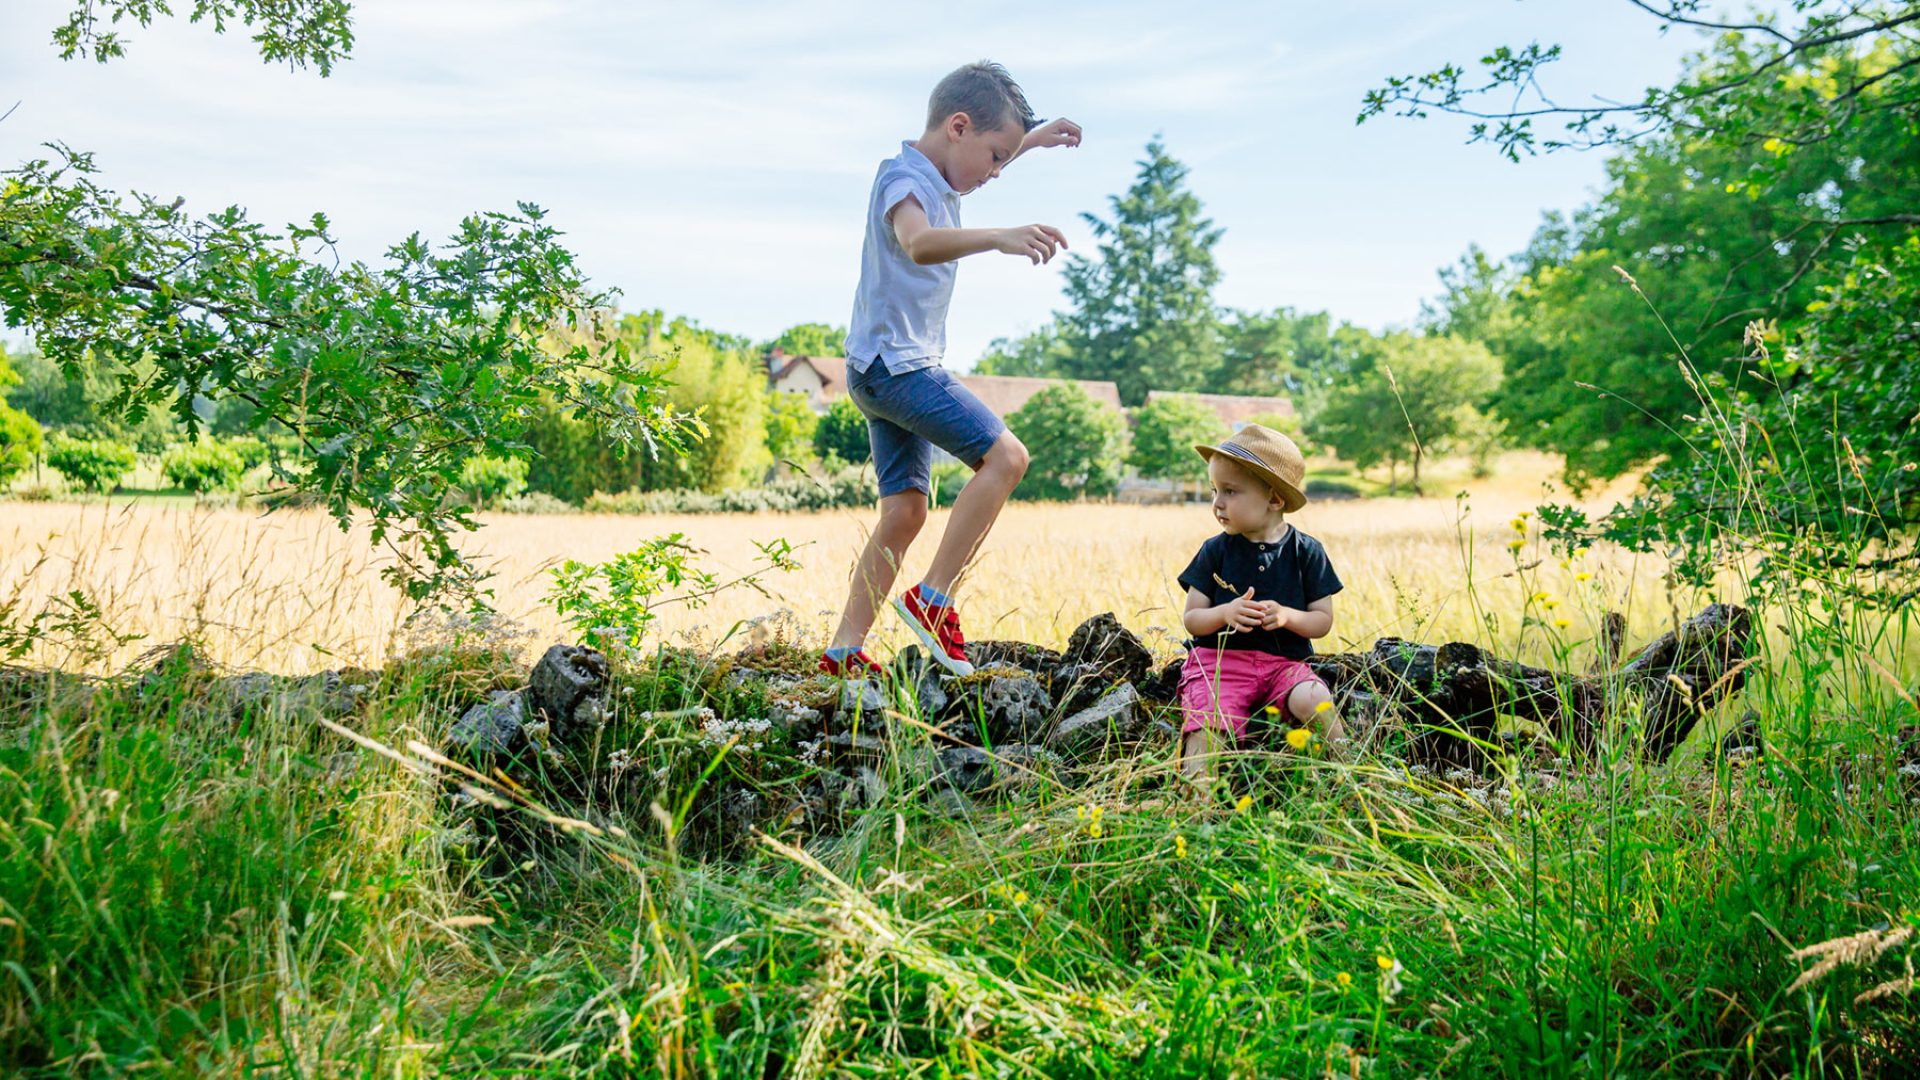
(1292, 570)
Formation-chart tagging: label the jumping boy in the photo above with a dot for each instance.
(977, 122)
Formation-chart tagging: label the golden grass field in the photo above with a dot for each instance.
(291, 592)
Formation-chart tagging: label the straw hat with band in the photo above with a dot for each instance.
(1270, 456)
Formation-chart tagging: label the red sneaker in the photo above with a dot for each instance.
(939, 630)
(856, 665)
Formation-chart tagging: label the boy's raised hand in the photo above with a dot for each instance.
(1036, 242)
(1061, 132)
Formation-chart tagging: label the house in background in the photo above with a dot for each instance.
(820, 378)
(1004, 394)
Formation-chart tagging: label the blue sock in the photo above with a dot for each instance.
(933, 597)
(841, 652)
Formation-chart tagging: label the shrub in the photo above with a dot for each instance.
(205, 465)
(842, 433)
(486, 480)
(1077, 444)
(851, 487)
(93, 464)
(1165, 432)
(20, 440)
(535, 502)
(791, 423)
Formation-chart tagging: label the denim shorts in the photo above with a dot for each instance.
(911, 413)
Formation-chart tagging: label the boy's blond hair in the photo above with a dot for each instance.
(986, 93)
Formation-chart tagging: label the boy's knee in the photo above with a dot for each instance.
(1306, 700)
(1010, 455)
(901, 516)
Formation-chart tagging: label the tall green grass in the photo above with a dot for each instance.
(191, 889)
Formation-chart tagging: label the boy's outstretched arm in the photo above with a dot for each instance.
(1062, 132)
(926, 245)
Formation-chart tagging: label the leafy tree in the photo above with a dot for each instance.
(1165, 431)
(1424, 396)
(1039, 354)
(1142, 313)
(1772, 187)
(203, 465)
(487, 480)
(391, 376)
(1077, 444)
(294, 32)
(791, 423)
(810, 339)
(19, 432)
(94, 464)
(842, 433)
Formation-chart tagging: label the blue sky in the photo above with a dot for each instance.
(713, 159)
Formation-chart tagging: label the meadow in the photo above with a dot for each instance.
(290, 592)
(191, 888)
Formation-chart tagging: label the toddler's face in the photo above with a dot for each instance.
(1242, 502)
(978, 155)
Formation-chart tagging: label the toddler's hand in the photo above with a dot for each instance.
(1273, 616)
(1244, 613)
(1036, 242)
(1062, 132)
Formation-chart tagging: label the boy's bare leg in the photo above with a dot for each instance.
(975, 511)
(1303, 704)
(1197, 752)
(901, 517)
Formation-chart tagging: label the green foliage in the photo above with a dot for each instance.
(1814, 474)
(203, 465)
(20, 434)
(1077, 445)
(1039, 354)
(851, 487)
(93, 464)
(391, 377)
(1843, 64)
(1142, 314)
(842, 433)
(611, 604)
(294, 32)
(791, 424)
(810, 339)
(1165, 431)
(1422, 399)
(486, 480)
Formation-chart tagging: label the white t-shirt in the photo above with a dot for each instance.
(900, 308)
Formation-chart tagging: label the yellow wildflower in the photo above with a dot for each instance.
(1299, 737)
(1516, 543)
(1519, 524)
(1240, 805)
(1325, 706)
(1344, 980)
(1094, 830)
(1562, 623)
(1273, 710)
(1385, 962)
(1583, 576)
(1549, 603)
(1179, 846)
(1020, 897)
(1542, 595)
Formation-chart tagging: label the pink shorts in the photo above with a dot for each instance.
(1221, 688)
